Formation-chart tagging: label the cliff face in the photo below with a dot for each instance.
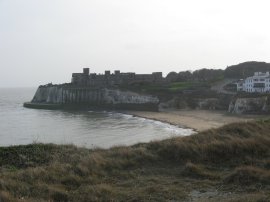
(50, 95)
(119, 97)
(96, 97)
(249, 105)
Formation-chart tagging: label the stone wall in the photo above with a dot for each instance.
(108, 79)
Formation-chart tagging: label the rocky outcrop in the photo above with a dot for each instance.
(193, 103)
(120, 97)
(107, 98)
(210, 103)
(49, 94)
(249, 105)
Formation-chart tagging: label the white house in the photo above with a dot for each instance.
(260, 83)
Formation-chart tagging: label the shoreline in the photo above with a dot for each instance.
(139, 114)
(198, 120)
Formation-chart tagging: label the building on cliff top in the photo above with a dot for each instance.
(113, 79)
(258, 83)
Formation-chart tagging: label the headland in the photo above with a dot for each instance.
(88, 91)
(203, 89)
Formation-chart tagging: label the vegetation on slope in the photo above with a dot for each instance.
(227, 164)
(246, 69)
(238, 71)
(167, 88)
(209, 75)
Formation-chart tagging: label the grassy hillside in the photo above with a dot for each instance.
(231, 163)
(169, 88)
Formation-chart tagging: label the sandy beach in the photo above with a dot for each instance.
(198, 120)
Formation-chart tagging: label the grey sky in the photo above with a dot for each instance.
(45, 41)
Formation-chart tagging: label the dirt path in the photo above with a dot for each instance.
(219, 87)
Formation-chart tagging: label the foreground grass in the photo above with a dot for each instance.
(227, 164)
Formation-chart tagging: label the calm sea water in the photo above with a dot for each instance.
(19, 125)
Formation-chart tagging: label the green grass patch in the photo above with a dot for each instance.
(176, 86)
(179, 86)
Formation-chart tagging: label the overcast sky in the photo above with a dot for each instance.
(45, 41)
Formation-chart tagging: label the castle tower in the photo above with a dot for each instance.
(86, 71)
(107, 73)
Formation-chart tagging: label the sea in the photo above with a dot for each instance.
(90, 129)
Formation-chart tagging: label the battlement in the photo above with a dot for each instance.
(113, 79)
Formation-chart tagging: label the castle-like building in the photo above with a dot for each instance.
(113, 79)
(259, 83)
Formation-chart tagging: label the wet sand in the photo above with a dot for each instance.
(198, 120)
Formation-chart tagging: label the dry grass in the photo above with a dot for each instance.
(233, 159)
(249, 175)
